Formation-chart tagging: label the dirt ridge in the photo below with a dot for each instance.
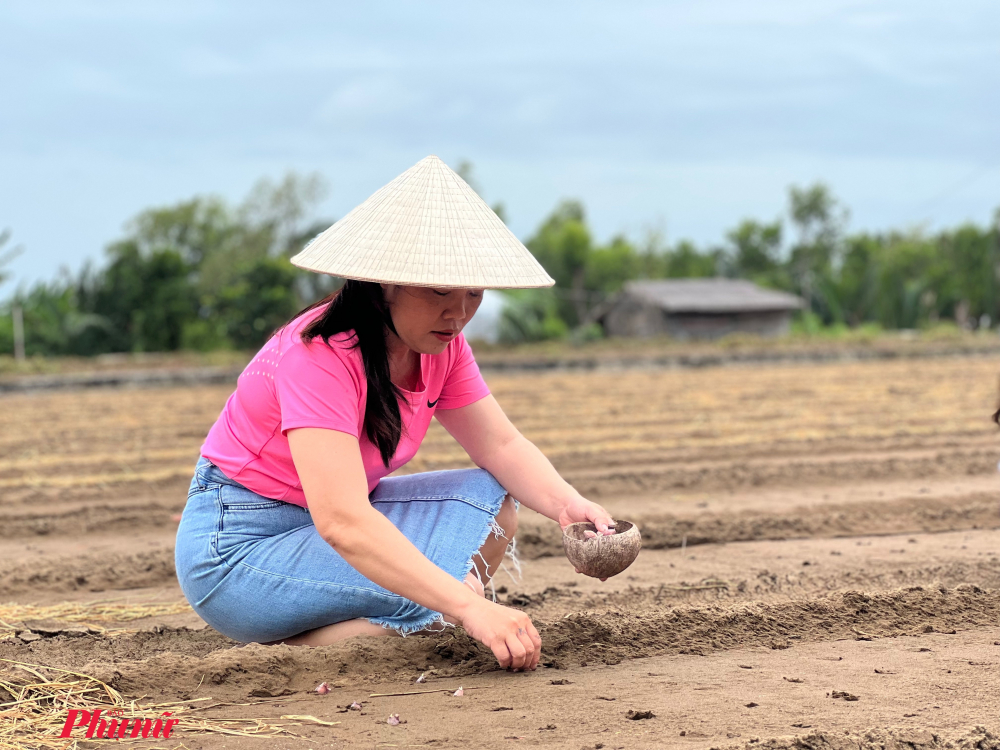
(701, 360)
(902, 516)
(861, 497)
(131, 517)
(504, 362)
(178, 659)
(894, 738)
(760, 586)
(91, 572)
(155, 567)
(759, 472)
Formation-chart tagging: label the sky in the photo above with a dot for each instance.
(677, 117)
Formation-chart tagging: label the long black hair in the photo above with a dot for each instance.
(360, 306)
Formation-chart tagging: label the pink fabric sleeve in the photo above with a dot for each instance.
(317, 388)
(464, 383)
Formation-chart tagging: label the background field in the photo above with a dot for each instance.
(809, 528)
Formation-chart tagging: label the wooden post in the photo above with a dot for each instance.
(18, 314)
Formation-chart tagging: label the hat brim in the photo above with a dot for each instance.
(429, 228)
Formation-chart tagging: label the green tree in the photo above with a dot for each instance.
(194, 229)
(685, 261)
(261, 299)
(819, 220)
(199, 273)
(609, 266)
(756, 249)
(48, 310)
(272, 224)
(858, 281)
(146, 298)
(563, 246)
(911, 275)
(974, 264)
(531, 315)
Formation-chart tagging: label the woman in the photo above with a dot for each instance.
(292, 532)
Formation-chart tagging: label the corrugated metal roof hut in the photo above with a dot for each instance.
(698, 309)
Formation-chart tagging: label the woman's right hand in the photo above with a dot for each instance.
(507, 632)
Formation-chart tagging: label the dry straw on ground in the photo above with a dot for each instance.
(35, 710)
(13, 616)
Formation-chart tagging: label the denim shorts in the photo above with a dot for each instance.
(256, 569)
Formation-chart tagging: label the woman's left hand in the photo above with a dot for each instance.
(581, 509)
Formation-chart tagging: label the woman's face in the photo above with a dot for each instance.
(426, 319)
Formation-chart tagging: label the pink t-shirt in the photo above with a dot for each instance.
(293, 384)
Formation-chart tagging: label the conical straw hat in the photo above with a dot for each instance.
(425, 228)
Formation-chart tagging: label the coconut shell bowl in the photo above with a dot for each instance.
(601, 556)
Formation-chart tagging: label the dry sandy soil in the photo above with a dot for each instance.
(821, 569)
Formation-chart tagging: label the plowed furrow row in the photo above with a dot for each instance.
(576, 639)
(89, 572)
(910, 515)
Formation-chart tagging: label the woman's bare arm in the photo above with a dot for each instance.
(329, 465)
(495, 444)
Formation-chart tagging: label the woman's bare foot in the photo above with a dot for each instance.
(340, 631)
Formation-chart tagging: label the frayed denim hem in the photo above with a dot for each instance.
(436, 618)
(409, 628)
(498, 533)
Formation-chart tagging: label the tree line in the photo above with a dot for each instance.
(895, 279)
(204, 275)
(198, 275)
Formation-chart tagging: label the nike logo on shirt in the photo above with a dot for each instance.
(430, 404)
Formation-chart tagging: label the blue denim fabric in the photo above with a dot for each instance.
(256, 569)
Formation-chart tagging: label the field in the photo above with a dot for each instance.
(821, 562)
